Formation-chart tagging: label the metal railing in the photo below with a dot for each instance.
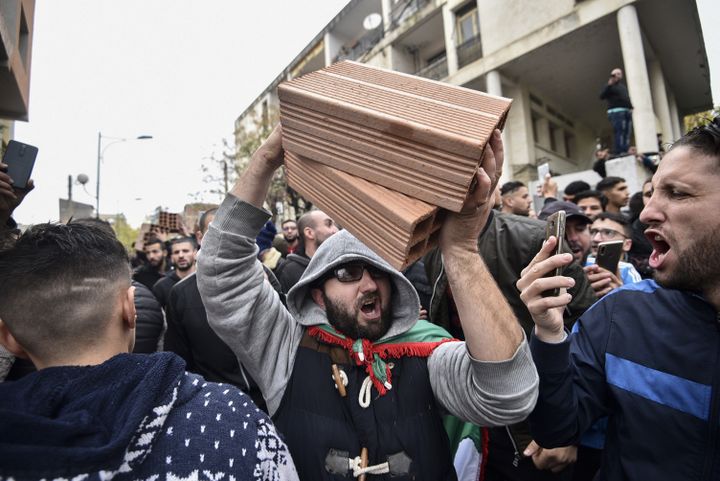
(404, 9)
(437, 70)
(469, 51)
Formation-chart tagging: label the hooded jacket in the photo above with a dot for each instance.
(247, 314)
(150, 320)
(290, 272)
(134, 417)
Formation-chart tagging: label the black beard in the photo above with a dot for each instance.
(184, 269)
(698, 267)
(346, 322)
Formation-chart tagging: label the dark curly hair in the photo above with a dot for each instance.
(704, 139)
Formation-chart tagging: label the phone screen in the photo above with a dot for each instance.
(20, 159)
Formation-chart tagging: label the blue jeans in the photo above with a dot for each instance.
(622, 126)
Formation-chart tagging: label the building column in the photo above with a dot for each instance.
(637, 79)
(660, 101)
(449, 30)
(493, 84)
(674, 117)
(386, 6)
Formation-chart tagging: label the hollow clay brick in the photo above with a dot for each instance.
(398, 228)
(413, 135)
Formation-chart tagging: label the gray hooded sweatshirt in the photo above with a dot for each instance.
(247, 314)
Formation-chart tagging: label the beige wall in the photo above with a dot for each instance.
(505, 21)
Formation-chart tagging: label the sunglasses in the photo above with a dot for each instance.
(354, 272)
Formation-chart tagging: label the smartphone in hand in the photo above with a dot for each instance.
(20, 159)
(609, 254)
(555, 227)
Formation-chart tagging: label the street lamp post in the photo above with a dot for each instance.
(100, 153)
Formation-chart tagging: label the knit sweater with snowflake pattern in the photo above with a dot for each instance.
(135, 417)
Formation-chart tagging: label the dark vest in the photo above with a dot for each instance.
(405, 424)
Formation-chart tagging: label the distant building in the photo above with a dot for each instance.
(552, 58)
(69, 209)
(16, 32)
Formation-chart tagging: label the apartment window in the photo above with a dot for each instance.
(467, 25)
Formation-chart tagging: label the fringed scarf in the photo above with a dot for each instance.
(420, 341)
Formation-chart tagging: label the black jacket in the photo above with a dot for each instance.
(291, 270)
(150, 320)
(161, 288)
(147, 275)
(394, 427)
(616, 96)
(189, 335)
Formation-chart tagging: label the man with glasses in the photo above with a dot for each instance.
(353, 380)
(610, 227)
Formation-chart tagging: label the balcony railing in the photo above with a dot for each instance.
(360, 47)
(404, 9)
(437, 70)
(469, 51)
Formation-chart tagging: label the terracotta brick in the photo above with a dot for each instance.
(416, 136)
(398, 228)
(170, 221)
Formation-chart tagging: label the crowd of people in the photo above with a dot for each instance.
(239, 351)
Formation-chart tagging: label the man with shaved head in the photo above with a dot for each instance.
(314, 228)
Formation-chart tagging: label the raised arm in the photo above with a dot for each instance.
(491, 329)
(489, 380)
(242, 306)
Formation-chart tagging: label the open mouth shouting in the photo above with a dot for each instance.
(660, 248)
(370, 307)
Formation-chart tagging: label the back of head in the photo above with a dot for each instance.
(608, 183)
(205, 219)
(59, 285)
(305, 220)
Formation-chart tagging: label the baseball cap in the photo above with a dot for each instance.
(571, 211)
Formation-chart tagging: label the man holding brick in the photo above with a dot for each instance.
(354, 382)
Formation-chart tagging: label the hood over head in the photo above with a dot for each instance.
(339, 249)
(62, 421)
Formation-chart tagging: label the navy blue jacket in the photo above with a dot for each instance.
(649, 359)
(134, 417)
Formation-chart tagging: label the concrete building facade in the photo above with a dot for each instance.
(16, 29)
(551, 57)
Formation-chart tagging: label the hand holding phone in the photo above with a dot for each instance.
(555, 227)
(609, 254)
(20, 160)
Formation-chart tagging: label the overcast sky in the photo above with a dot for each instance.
(179, 70)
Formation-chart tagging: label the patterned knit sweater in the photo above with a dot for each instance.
(139, 417)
